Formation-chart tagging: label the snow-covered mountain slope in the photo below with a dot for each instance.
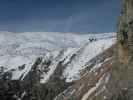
(93, 82)
(43, 65)
(87, 52)
(73, 50)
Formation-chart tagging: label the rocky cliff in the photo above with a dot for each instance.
(121, 83)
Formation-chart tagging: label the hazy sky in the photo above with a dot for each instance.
(59, 15)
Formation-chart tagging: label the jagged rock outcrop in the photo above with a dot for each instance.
(29, 87)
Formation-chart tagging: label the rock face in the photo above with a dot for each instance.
(125, 32)
(121, 83)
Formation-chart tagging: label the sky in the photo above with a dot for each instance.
(78, 16)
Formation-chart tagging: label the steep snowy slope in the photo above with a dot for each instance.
(42, 65)
(93, 82)
(84, 54)
(22, 49)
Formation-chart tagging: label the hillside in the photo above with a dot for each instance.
(40, 66)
